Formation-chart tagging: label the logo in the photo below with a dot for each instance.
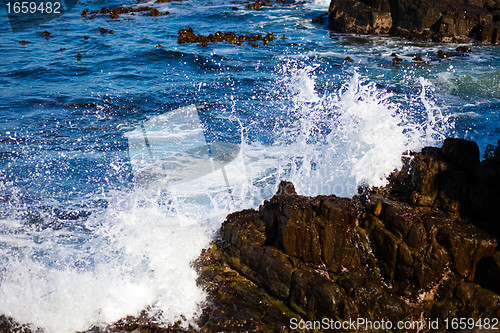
(27, 14)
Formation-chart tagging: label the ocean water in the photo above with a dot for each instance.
(99, 218)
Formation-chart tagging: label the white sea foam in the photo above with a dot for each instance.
(138, 256)
(353, 136)
(321, 4)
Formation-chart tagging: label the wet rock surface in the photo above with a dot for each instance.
(421, 246)
(443, 21)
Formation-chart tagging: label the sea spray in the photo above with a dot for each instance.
(140, 254)
(134, 254)
(352, 136)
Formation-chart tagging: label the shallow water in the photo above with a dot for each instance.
(83, 243)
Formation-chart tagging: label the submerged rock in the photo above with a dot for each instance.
(187, 36)
(443, 21)
(443, 55)
(397, 60)
(463, 49)
(115, 12)
(321, 19)
(260, 4)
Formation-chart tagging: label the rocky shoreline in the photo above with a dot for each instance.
(424, 247)
(439, 21)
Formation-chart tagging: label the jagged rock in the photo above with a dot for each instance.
(466, 246)
(446, 21)
(453, 180)
(477, 302)
(414, 247)
(461, 154)
(234, 303)
(424, 186)
(365, 17)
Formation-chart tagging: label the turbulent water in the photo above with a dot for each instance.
(91, 231)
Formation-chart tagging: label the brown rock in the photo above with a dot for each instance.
(276, 271)
(443, 55)
(385, 246)
(424, 185)
(444, 21)
(463, 154)
(360, 16)
(466, 245)
(488, 272)
(411, 249)
(323, 298)
(397, 60)
(299, 291)
(463, 49)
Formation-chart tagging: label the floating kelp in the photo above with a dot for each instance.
(115, 12)
(259, 4)
(187, 36)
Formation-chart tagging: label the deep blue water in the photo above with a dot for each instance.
(65, 165)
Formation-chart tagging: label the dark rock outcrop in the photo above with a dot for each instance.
(421, 246)
(446, 20)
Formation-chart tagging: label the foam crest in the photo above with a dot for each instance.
(353, 136)
(138, 258)
(321, 4)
